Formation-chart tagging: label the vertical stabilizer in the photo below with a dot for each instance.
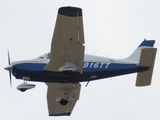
(135, 56)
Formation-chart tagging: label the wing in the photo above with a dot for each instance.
(68, 39)
(62, 98)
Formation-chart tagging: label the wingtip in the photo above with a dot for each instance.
(62, 114)
(70, 11)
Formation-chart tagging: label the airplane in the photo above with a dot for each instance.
(66, 65)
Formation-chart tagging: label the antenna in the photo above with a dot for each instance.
(95, 51)
(110, 53)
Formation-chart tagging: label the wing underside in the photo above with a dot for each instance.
(62, 98)
(68, 39)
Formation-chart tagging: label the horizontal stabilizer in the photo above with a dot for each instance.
(147, 59)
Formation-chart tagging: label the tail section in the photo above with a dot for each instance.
(135, 56)
(144, 56)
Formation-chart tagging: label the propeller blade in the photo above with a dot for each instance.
(10, 76)
(9, 62)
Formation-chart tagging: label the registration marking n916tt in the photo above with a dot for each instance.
(95, 65)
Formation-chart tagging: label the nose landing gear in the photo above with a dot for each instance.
(24, 86)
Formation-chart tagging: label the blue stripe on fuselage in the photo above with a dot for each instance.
(25, 69)
(87, 67)
(30, 66)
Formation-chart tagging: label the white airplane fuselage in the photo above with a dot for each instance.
(94, 68)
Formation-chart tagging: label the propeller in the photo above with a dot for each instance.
(9, 63)
(9, 69)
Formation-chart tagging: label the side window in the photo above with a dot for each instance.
(48, 56)
(42, 56)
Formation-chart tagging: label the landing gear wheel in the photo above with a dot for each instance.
(63, 102)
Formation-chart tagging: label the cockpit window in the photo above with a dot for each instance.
(42, 56)
(47, 56)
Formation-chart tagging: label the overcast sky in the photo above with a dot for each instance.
(110, 26)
